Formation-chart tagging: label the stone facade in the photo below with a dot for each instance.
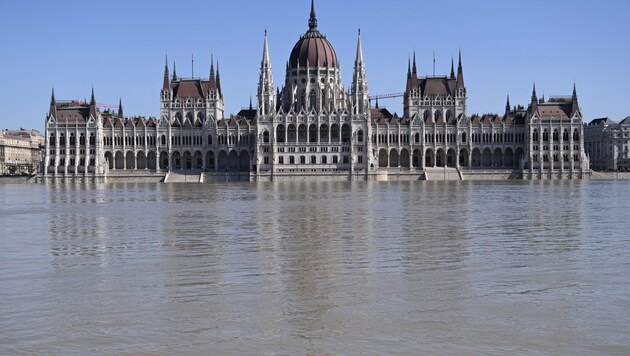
(607, 144)
(20, 152)
(312, 128)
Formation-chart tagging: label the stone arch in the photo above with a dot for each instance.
(151, 160)
(440, 159)
(383, 158)
(291, 133)
(451, 158)
(198, 160)
(497, 158)
(141, 160)
(508, 159)
(476, 158)
(109, 158)
(130, 160)
(360, 136)
(223, 161)
(429, 158)
(176, 160)
(187, 162)
(281, 133)
(394, 159)
(210, 160)
(244, 161)
(345, 133)
(302, 133)
(486, 158)
(323, 133)
(312, 133)
(404, 158)
(163, 160)
(233, 161)
(463, 157)
(417, 157)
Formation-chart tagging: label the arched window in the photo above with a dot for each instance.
(72, 140)
(565, 135)
(209, 139)
(576, 135)
(324, 160)
(92, 139)
(535, 135)
(437, 115)
(463, 137)
(545, 135)
(360, 136)
(266, 137)
(449, 114)
(417, 137)
(556, 136)
(62, 139)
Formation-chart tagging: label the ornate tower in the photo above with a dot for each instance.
(266, 94)
(360, 99)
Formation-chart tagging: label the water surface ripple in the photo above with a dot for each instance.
(316, 268)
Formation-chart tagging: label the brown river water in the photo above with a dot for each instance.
(316, 268)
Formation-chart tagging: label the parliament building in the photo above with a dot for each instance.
(312, 128)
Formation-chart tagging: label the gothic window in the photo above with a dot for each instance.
(437, 115)
(535, 135)
(565, 135)
(576, 135)
(62, 139)
(72, 140)
(281, 160)
(291, 160)
(449, 114)
(51, 140)
(324, 160)
(178, 116)
(556, 136)
(360, 136)
(545, 135)
(200, 116)
(280, 134)
(266, 137)
(417, 137)
(302, 160)
(463, 137)
(313, 159)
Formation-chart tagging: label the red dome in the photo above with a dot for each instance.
(314, 50)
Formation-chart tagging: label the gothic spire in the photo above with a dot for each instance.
(534, 97)
(167, 84)
(359, 59)
(211, 66)
(265, 59)
(408, 68)
(452, 69)
(414, 70)
(218, 79)
(574, 96)
(120, 108)
(92, 100)
(507, 105)
(312, 21)
(52, 97)
(174, 71)
(460, 72)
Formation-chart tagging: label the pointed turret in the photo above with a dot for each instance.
(507, 105)
(174, 72)
(219, 80)
(574, 102)
(53, 104)
(265, 82)
(120, 109)
(359, 81)
(312, 21)
(93, 105)
(92, 100)
(408, 68)
(452, 69)
(534, 103)
(460, 73)
(211, 67)
(414, 70)
(167, 83)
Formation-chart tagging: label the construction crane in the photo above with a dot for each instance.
(386, 96)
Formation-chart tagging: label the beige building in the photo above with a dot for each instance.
(607, 143)
(20, 152)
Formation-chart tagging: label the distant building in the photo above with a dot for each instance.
(607, 143)
(20, 151)
(314, 128)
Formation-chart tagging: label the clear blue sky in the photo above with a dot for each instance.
(118, 48)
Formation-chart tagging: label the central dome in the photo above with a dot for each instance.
(313, 49)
